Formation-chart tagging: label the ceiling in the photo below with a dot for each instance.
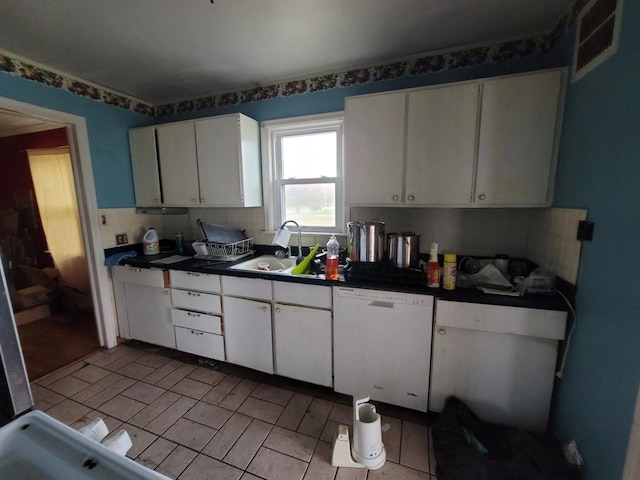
(12, 123)
(161, 51)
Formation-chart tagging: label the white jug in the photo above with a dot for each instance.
(368, 448)
(150, 242)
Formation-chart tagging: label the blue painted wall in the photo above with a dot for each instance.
(599, 169)
(107, 127)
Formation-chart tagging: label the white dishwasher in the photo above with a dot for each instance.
(382, 345)
(499, 360)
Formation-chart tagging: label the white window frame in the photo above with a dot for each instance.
(271, 132)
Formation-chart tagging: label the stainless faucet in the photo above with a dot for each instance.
(299, 237)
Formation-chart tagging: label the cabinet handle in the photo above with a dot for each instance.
(194, 200)
(395, 198)
(442, 331)
(193, 294)
(411, 198)
(194, 274)
(193, 314)
(137, 269)
(155, 200)
(482, 196)
(196, 333)
(264, 309)
(277, 310)
(202, 200)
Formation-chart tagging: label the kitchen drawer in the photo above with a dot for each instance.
(200, 343)
(150, 277)
(308, 295)
(247, 287)
(203, 282)
(196, 320)
(202, 302)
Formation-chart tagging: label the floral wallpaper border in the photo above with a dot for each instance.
(420, 66)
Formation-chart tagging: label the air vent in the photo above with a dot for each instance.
(597, 35)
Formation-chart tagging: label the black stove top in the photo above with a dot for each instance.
(382, 272)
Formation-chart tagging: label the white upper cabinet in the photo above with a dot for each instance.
(229, 161)
(178, 163)
(441, 129)
(144, 165)
(517, 141)
(212, 162)
(374, 149)
(475, 144)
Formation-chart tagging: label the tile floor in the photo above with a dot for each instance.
(193, 421)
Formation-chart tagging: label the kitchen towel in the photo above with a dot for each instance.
(116, 258)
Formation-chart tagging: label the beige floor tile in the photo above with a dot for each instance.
(143, 392)
(109, 392)
(206, 468)
(248, 444)
(345, 473)
(58, 374)
(162, 422)
(209, 415)
(163, 371)
(414, 449)
(273, 465)
(135, 370)
(314, 420)
(68, 411)
(175, 376)
(189, 434)
(320, 467)
(176, 461)
(342, 414)
(290, 443)
(139, 438)
(45, 399)
(330, 431)
(238, 394)
(276, 395)
(155, 453)
(91, 373)
(207, 375)
(111, 422)
(221, 390)
(121, 407)
(227, 436)
(393, 471)
(68, 386)
(260, 409)
(155, 408)
(121, 362)
(152, 360)
(97, 387)
(294, 411)
(392, 438)
(191, 388)
(249, 476)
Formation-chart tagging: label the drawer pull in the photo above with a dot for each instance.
(194, 274)
(193, 294)
(196, 333)
(264, 309)
(193, 314)
(165, 292)
(442, 331)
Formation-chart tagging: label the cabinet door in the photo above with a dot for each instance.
(229, 161)
(374, 149)
(517, 140)
(441, 140)
(144, 165)
(302, 344)
(149, 314)
(178, 163)
(247, 333)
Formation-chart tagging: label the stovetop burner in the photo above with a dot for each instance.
(382, 272)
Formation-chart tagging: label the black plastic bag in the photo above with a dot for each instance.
(467, 448)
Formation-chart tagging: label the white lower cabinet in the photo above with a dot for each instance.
(302, 343)
(247, 333)
(149, 314)
(200, 343)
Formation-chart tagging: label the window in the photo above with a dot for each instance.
(302, 166)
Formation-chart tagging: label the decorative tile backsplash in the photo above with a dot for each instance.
(545, 236)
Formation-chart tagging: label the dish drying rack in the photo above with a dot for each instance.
(226, 252)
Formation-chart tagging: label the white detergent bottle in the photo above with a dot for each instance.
(150, 242)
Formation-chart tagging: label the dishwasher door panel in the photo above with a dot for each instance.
(382, 348)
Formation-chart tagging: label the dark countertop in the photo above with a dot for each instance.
(544, 302)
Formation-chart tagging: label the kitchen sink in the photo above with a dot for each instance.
(267, 264)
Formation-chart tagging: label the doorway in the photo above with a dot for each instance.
(78, 139)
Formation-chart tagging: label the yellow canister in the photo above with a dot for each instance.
(449, 271)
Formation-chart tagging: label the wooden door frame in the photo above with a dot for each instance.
(100, 280)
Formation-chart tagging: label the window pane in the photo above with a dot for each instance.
(309, 156)
(311, 204)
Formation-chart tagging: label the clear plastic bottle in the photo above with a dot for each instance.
(333, 250)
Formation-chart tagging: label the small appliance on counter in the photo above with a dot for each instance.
(366, 241)
(404, 249)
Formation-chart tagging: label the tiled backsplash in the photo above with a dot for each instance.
(546, 236)
(552, 241)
